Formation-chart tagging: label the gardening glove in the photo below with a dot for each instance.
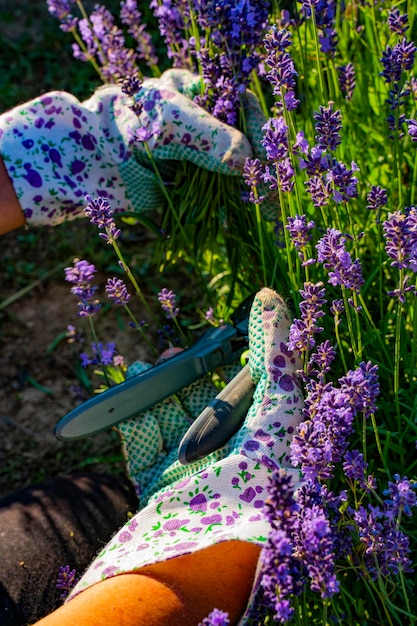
(220, 497)
(56, 149)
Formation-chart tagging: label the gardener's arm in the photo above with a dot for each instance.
(11, 215)
(179, 592)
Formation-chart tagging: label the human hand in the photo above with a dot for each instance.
(57, 150)
(220, 497)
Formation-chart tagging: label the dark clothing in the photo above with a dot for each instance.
(63, 521)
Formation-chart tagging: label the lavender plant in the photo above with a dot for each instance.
(326, 214)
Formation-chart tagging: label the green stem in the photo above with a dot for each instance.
(98, 352)
(316, 45)
(140, 329)
(132, 279)
(397, 355)
(174, 213)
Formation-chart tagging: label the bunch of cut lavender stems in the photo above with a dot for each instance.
(325, 213)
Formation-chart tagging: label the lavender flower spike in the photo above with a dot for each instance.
(216, 618)
(117, 291)
(81, 275)
(334, 256)
(412, 129)
(328, 125)
(376, 198)
(167, 299)
(100, 213)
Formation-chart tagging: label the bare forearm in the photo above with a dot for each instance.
(11, 216)
(178, 592)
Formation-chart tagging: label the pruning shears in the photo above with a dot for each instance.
(219, 346)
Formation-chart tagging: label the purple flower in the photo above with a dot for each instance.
(412, 129)
(397, 23)
(216, 618)
(347, 81)
(302, 331)
(344, 181)
(401, 496)
(253, 176)
(362, 388)
(173, 17)
(386, 549)
(131, 85)
(319, 189)
(167, 299)
(132, 17)
(321, 360)
(100, 213)
(400, 232)
(397, 59)
(299, 230)
(67, 579)
(275, 140)
(117, 291)
(321, 441)
(281, 571)
(334, 256)
(101, 355)
(60, 8)
(316, 549)
(354, 465)
(81, 275)
(282, 73)
(376, 198)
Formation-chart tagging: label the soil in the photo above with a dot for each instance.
(39, 368)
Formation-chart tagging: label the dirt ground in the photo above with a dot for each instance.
(38, 384)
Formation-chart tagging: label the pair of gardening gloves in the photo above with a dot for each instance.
(185, 508)
(56, 149)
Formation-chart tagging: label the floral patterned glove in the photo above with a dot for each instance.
(219, 498)
(57, 150)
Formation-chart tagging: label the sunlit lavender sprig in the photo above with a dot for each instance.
(361, 386)
(303, 330)
(102, 40)
(253, 177)
(173, 21)
(400, 233)
(412, 129)
(328, 124)
(276, 144)
(117, 293)
(282, 73)
(332, 253)
(324, 14)
(323, 438)
(396, 61)
(132, 18)
(314, 545)
(300, 233)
